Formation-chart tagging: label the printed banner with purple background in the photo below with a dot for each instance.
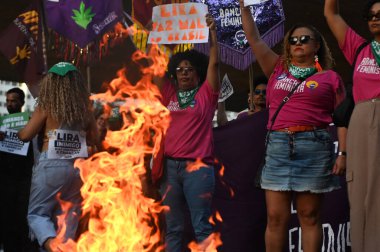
(21, 44)
(234, 47)
(82, 21)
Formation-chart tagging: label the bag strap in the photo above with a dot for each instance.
(285, 100)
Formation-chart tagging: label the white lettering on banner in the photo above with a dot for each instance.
(293, 210)
(288, 84)
(100, 26)
(368, 66)
(331, 242)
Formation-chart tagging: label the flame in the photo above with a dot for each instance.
(120, 216)
(195, 166)
(208, 245)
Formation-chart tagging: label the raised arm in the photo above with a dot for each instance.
(213, 64)
(221, 116)
(335, 21)
(266, 57)
(34, 125)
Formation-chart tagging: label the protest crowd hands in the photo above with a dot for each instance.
(210, 22)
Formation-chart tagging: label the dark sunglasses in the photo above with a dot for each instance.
(182, 69)
(371, 15)
(258, 92)
(303, 39)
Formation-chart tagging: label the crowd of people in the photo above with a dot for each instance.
(301, 93)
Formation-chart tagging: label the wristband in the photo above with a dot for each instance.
(342, 153)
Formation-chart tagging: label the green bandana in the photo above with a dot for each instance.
(301, 73)
(375, 46)
(185, 98)
(62, 68)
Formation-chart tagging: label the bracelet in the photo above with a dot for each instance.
(342, 153)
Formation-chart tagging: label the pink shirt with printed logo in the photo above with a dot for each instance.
(366, 79)
(190, 131)
(312, 104)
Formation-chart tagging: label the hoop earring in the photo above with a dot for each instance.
(317, 65)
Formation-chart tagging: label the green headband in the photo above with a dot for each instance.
(62, 68)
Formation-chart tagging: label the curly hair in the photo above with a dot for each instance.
(65, 98)
(368, 6)
(324, 54)
(198, 60)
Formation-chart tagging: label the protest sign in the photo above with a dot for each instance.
(226, 89)
(10, 124)
(179, 23)
(67, 144)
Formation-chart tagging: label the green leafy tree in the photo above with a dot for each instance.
(84, 16)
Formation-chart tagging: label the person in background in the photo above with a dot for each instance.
(191, 96)
(15, 177)
(300, 155)
(258, 103)
(363, 135)
(63, 109)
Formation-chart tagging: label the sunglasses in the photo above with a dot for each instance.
(258, 92)
(303, 39)
(372, 15)
(183, 69)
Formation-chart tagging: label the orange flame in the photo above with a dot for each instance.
(121, 217)
(195, 166)
(208, 245)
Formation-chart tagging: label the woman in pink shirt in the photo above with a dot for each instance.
(299, 158)
(191, 95)
(363, 136)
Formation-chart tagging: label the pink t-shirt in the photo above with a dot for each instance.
(312, 104)
(190, 131)
(366, 79)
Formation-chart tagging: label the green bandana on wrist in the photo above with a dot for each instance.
(375, 46)
(62, 68)
(301, 73)
(185, 98)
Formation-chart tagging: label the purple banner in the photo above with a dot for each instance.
(234, 47)
(82, 21)
(239, 145)
(21, 44)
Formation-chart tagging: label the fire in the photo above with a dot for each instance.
(120, 216)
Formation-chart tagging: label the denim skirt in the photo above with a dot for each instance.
(301, 161)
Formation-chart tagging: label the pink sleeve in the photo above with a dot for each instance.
(211, 94)
(351, 43)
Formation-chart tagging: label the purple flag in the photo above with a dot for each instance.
(234, 47)
(82, 21)
(21, 44)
